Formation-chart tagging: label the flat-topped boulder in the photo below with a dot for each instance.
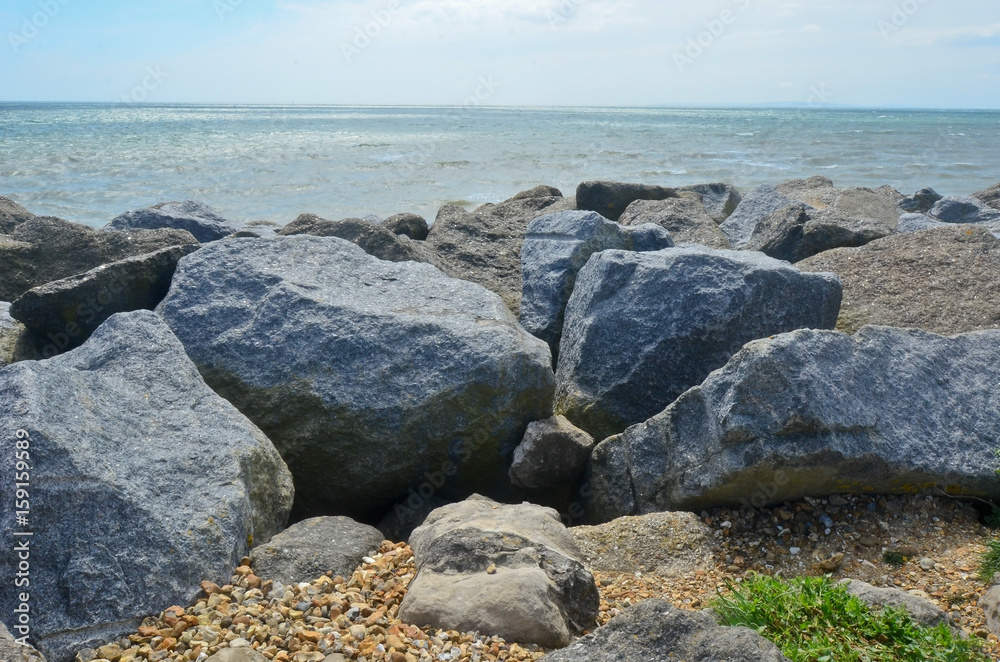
(556, 246)
(376, 240)
(484, 246)
(798, 231)
(684, 217)
(642, 328)
(45, 248)
(611, 199)
(815, 191)
(203, 222)
(932, 279)
(813, 413)
(371, 377)
(144, 483)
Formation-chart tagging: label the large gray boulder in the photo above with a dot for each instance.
(880, 205)
(44, 249)
(642, 328)
(958, 209)
(684, 217)
(611, 199)
(374, 239)
(556, 247)
(990, 196)
(931, 279)
(12, 215)
(371, 377)
(306, 550)
(756, 206)
(922, 611)
(144, 483)
(719, 200)
(66, 312)
(511, 571)
(812, 413)
(484, 246)
(797, 232)
(656, 631)
(205, 223)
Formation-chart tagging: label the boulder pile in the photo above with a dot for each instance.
(179, 387)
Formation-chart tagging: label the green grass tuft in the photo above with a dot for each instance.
(811, 619)
(895, 559)
(989, 564)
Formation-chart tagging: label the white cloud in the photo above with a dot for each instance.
(973, 33)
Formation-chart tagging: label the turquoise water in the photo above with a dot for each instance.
(88, 163)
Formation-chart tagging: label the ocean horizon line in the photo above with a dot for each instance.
(473, 107)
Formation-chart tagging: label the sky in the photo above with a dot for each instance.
(882, 53)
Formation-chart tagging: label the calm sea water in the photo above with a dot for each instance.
(88, 163)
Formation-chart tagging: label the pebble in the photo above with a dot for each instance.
(318, 621)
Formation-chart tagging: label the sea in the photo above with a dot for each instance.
(90, 162)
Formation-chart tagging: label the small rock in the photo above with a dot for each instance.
(413, 226)
(553, 451)
(921, 610)
(237, 654)
(920, 202)
(10, 650)
(927, 563)
(656, 630)
(314, 546)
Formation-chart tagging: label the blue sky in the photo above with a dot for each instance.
(914, 53)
